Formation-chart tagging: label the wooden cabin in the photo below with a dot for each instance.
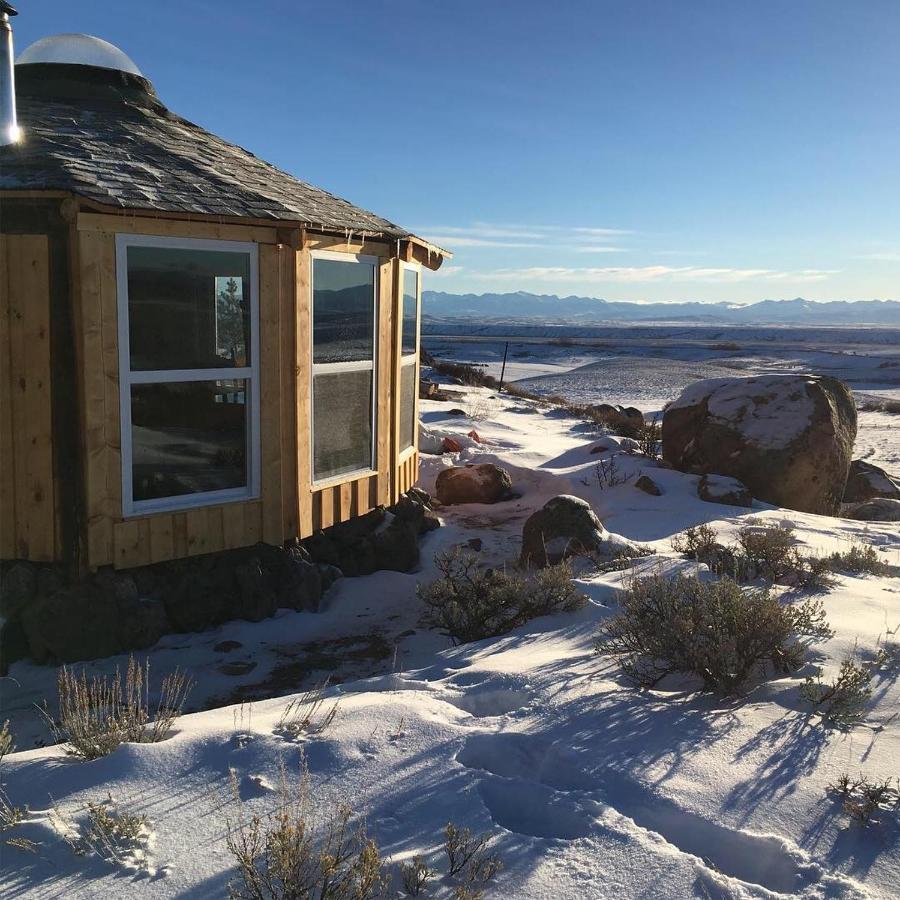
(197, 351)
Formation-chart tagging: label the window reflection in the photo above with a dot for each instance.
(343, 311)
(188, 437)
(188, 309)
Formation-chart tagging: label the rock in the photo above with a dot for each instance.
(632, 413)
(563, 527)
(881, 509)
(648, 486)
(787, 437)
(604, 409)
(475, 544)
(474, 435)
(427, 389)
(141, 623)
(79, 622)
(397, 546)
(482, 483)
(450, 445)
(227, 646)
(722, 489)
(17, 589)
(866, 482)
(237, 667)
(13, 645)
(456, 412)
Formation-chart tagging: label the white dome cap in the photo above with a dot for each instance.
(79, 50)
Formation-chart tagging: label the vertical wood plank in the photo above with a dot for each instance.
(270, 402)
(109, 342)
(197, 521)
(385, 427)
(287, 273)
(253, 528)
(99, 524)
(303, 376)
(7, 454)
(162, 540)
(345, 501)
(234, 528)
(179, 535)
(326, 508)
(361, 502)
(215, 530)
(28, 284)
(132, 543)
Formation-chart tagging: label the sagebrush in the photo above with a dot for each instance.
(716, 630)
(866, 799)
(308, 713)
(841, 702)
(304, 851)
(471, 603)
(100, 712)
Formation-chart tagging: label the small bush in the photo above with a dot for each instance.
(294, 855)
(608, 474)
(6, 740)
(865, 800)
(770, 548)
(308, 714)
(715, 630)
(121, 838)
(98, 714)
(468, 855)
(842, 702)
(859, 559)
(472, 603)
(648, 436)
(415, 875)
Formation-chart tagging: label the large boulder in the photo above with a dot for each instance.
(881, 509)
(481, 483)
(567, 526)
(787, 437)
(866, 482)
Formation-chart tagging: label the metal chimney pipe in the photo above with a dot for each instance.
(9, 125)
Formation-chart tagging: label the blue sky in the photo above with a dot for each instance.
(636, 149)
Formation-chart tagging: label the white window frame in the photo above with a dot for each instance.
(332, 368)
(410, 358)
(127, 378)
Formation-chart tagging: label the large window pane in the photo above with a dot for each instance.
(188, 437)
(343, 311)
(188, 309)
(408, 389)
(342, 417)
(410, 310)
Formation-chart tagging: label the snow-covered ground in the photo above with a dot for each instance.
(591, 788)
(647, 366)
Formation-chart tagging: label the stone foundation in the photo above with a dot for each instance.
(51, 619)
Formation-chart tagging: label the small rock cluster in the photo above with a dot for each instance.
(380, 539)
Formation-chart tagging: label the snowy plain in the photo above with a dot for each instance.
(590, 787)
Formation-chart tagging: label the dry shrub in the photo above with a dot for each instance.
(308, 713)
(121, 838)
(860, 559)
(648, 436)
(472, 603)
(415, 875)
(99, 713)
(715, 630)
(468, 857)
(865, 800)
(843, 701)
(6, 740)
(304, 853)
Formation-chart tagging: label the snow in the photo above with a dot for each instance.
(775, 423)
(590, 787)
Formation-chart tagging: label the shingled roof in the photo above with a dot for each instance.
(105, 136)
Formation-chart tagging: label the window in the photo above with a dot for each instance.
(344, 316)
(409, 350)
(188, 372)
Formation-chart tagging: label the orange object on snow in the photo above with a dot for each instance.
(450, 445)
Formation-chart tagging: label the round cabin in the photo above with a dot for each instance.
(199, 352)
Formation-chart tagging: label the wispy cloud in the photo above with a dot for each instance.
(453, 240)
(581, 239)
(881, 256)
(643, 274)
(445, 272)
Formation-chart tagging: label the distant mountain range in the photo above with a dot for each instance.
(521, 305)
